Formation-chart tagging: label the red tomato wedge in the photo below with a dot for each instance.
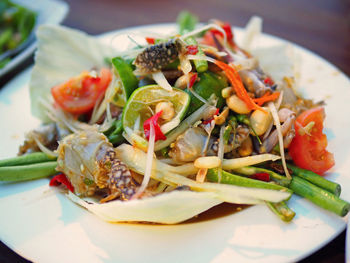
(79, 94)
(308, 150)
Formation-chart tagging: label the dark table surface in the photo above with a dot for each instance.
(321, 26)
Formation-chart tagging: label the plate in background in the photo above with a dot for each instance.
(49, 12)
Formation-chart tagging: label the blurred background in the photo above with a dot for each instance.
(322, 26)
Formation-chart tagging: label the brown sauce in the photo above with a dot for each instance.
(218, 211)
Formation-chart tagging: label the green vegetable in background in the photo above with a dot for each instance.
(25, 22)
(186, 22)
(5, 37)
(4, 62)
(16, 25)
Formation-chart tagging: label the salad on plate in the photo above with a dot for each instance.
(174, 124)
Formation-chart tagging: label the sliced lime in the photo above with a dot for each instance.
(142, 102)
(126, 82)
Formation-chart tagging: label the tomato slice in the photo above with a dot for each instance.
(79, 94)
(208, 36)
(308, 150)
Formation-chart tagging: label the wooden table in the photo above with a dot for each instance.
(321, 26)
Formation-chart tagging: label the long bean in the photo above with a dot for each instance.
(282, 210)
(316, 179)
(200, 64)
(319, 196)
(27, 172)
(250, 170)
(187, 22)
(228, 178)
(37, 157)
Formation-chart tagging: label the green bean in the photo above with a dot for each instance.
(200, 64)
(31, 158)
(319, 196)
(316, 179)
(250, 170)
(187, 22)
(27, 172)
(228, 178)
(282, 210)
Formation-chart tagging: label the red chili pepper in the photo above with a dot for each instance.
(157, 131)
(209, 120)
(150, 40)
(228, 30)
(268, 81)
(261, 176)
(193, 79)
(61, 179)
(192, 49)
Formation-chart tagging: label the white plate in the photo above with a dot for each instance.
(42, 225)
(49, 12)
